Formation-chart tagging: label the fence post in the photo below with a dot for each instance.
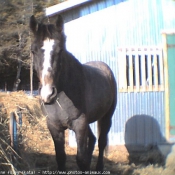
(169, 72)
(31, 74)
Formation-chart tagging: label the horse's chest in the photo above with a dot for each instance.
(62, 111)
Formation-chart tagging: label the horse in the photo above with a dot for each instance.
(72, 94)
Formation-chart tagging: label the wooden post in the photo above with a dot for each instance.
(31, 74)
(130, 66)
(28, 10)
(137, 74)
(143, 71)
(167, 107)
(161, 67)
(155, 70)
(149, 68)
(122, 70)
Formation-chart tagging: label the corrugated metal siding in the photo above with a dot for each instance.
(145, 107)
(88, 8)
(135, 22)
(97, 36)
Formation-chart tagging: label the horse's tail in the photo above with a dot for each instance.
(105, 123)
(106, 150)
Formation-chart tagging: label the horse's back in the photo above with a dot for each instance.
(100, 88)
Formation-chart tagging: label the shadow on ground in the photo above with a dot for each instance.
(142, 136)
(42, 163)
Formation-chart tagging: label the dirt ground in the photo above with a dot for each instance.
(36, 150)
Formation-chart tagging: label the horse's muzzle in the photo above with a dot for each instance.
(48, 93)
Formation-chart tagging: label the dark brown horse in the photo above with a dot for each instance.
(73, 94)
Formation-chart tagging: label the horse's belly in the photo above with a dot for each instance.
(96, 112)
(98, 102)
(99, 90)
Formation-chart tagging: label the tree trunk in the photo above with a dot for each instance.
(31, 75)
(17, 80)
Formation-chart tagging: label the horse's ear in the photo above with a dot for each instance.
(60, 23)
(33, 24)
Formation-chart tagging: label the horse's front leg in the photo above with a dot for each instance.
(80, 127)
(59, 141)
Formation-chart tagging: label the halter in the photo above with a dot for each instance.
(65, 117)
(45, 111)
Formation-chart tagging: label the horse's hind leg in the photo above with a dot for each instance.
(91, 143)
(104, 126)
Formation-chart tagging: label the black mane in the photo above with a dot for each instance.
(71, 80)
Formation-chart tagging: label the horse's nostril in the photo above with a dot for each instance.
(48, 93)
(54, 92)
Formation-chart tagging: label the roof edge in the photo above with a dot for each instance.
(50, 11)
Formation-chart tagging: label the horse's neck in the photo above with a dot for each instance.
(72, 80)
(73, 69)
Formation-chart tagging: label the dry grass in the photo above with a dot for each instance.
(18, 99)
(6, 151)
(9, 102)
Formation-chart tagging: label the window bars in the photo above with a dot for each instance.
(140, 69)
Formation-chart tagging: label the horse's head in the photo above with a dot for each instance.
(49, 40)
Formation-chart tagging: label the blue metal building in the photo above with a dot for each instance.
(126, 34)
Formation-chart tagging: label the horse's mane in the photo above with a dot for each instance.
(73, 79)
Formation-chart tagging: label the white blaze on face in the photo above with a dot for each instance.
(46, 88)
(47, 47)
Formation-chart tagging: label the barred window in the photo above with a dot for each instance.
(140, 69)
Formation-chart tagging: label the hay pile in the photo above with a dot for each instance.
(6, 151)
(10, 160)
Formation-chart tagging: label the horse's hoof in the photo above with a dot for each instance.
(99, 167)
